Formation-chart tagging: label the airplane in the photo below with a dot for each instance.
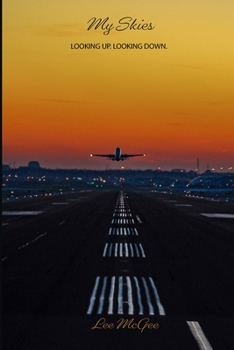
(117, 156)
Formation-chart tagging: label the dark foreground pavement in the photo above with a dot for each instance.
(118, 270)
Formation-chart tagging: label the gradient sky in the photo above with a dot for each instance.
(176, 105)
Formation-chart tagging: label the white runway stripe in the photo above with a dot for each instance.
(142, 250)
(151, 309)
(124, 231)
(105, 249)
(120, 296)
(139, 220)
(160, 307)
(125, 295)
(93, 296)
(131, 248)
(137, 251)
(200, 337)
(136, 231)
(122, 249)
(130, 300)
(110, 250)
(139, 297)
(125, 215)
(32, 212)
(111, 297)
(116, 249)
(122, 221)
(121, 210)
(102, 297)
(126, 249)
(218, 216)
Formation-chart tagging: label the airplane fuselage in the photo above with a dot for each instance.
(117, 154)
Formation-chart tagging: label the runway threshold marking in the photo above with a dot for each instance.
(199, 336)
(123, 221)
(123, 231)
(122, 214)
(218, 215)
(124, 250)
(125, 288)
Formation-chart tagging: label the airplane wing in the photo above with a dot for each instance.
(111, 156)
(124, 156)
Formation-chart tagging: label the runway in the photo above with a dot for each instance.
(101, 270)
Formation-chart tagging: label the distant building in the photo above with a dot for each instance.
(34, 165)
(5, 167)
(178, 170)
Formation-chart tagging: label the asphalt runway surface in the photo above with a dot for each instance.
(118, 270)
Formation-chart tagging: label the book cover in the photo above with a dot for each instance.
(80, 78)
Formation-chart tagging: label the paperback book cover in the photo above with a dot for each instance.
(114, 86)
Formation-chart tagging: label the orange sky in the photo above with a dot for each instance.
(176, 105)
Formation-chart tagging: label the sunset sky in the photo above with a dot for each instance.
(61, 104)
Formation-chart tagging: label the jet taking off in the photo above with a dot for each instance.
(117, 156)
